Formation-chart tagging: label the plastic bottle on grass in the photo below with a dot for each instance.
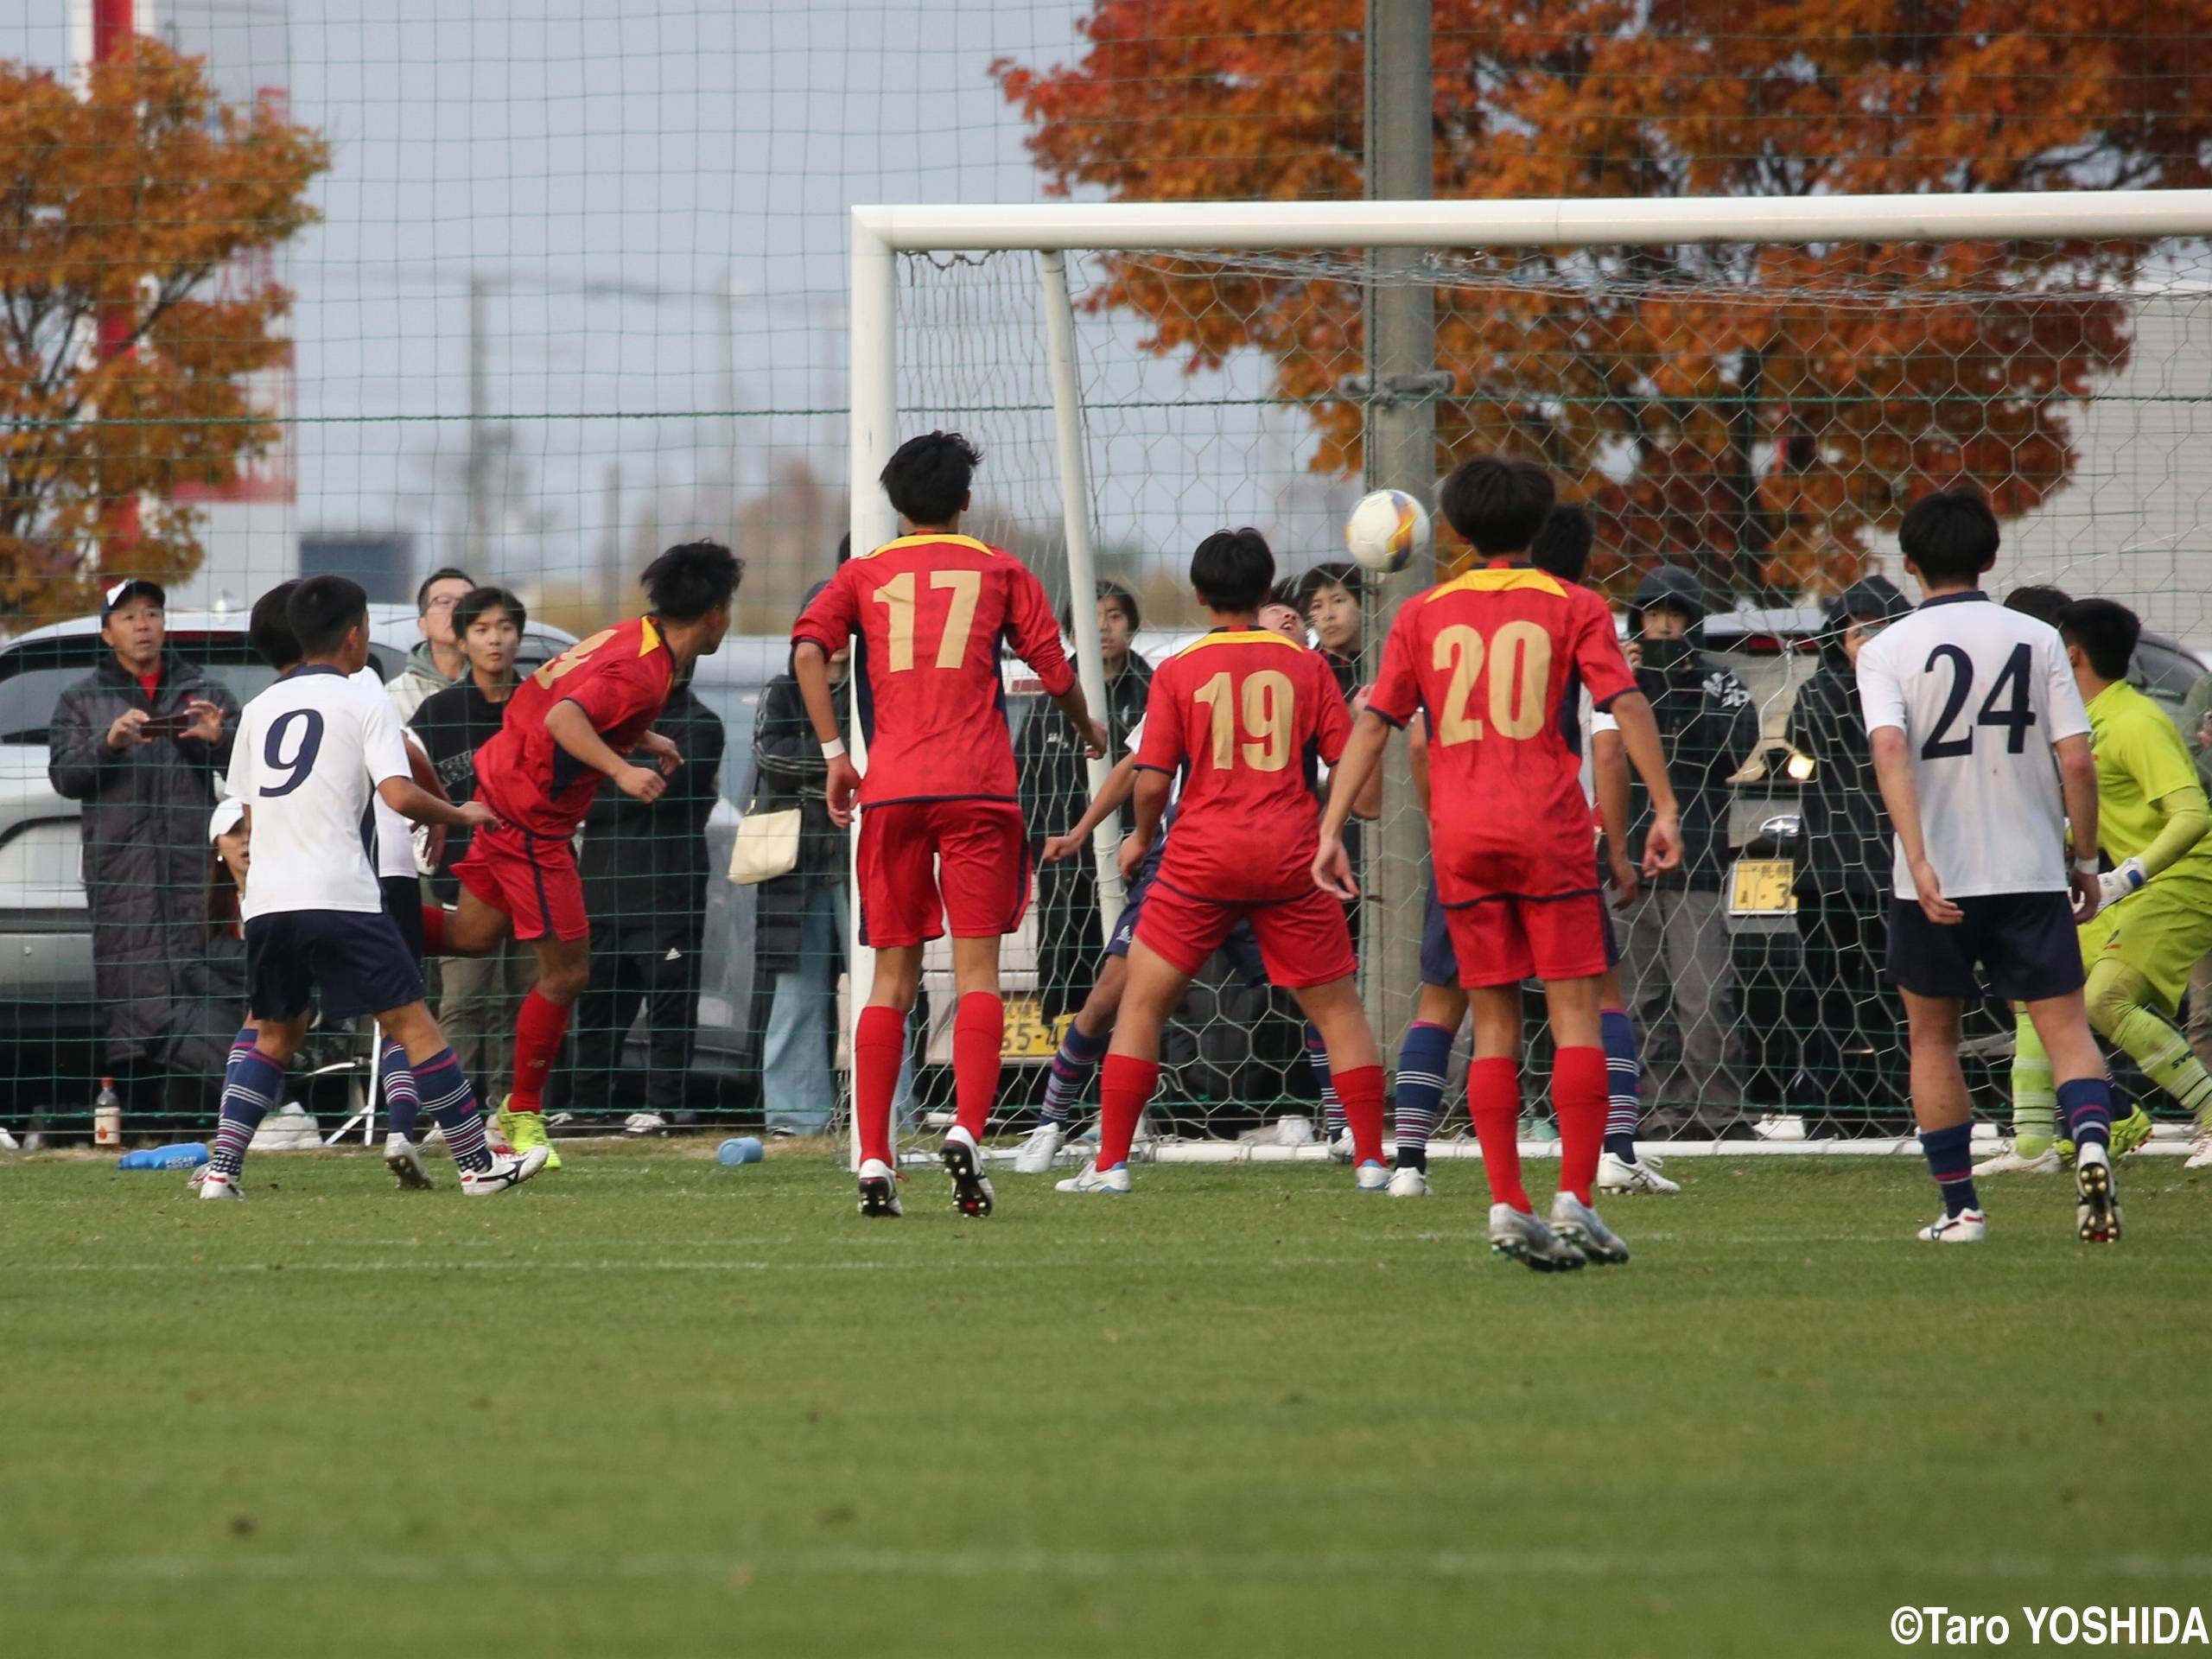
(186, 1155)
(739, 1149)
(107, 1115)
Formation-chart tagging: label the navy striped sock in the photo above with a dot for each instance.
(1423, 1059)
(2086, 1105)
(1317, 1057)
(1624, 1081)
(451, 1103)
(402, 1103)
(252, 1084)
(1950, 1161)
(1073, 1069)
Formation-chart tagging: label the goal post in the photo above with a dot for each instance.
(1301, 239)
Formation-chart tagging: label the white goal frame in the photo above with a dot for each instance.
(881, 234)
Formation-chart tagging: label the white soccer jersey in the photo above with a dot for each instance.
(309, 754)
(1981, 694)
(394, 833)
(1594, 721)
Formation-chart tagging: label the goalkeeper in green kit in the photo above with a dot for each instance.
(2155, 923)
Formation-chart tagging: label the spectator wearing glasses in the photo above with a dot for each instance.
(438, 661)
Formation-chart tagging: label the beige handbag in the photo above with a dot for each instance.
(766, 847)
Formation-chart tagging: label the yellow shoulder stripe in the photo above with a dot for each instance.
(648, 637)
(968, 541)
(1498, 581)
(1256, 637)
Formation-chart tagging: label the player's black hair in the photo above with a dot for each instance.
(1497, 505)
(1106, 587)
(443, 573)
(322, 609)
(927, 479)
(688, 580)
(2039, 600)
(270, 630)
(1335, 573)
(2105, 631)
(1563, 546)
(1950, 535)
(1233, 570)
(845, 548)
(477, 600)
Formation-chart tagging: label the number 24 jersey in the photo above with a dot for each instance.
(1499, 658)
(1244, 716)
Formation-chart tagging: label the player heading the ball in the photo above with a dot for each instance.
(941, 831)
(1499, 658)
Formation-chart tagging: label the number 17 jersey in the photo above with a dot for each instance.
(1981, 694)
(1499, 658)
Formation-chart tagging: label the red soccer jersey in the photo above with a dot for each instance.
(619, 677)
(1245, 716)
(1498, 659)
(930, 611)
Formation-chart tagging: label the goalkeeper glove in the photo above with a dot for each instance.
(2115, 885)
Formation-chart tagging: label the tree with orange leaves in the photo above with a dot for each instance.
(1759, 410)
(128, 200)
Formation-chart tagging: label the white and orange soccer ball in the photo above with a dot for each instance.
(1386, 530)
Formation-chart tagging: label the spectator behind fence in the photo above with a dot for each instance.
(1843, 859)
(801, 920)
(477, 995)
(645, 871)
(142, 741)
(1055, 785)
(1674, 947)
(439, 661)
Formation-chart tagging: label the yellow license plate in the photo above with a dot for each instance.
(1029, 1035)
(1761, 887)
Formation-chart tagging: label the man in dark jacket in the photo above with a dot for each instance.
(644, 874)
(141, 741)
(1675, 940)
(1843, 860)
(1055, 785)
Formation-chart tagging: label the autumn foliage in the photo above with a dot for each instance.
(130, 201)
(1759, 410)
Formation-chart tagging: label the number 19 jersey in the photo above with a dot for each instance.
(1981, 694)
(1499, 658)
(930, 611)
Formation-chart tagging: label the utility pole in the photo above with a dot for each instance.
(1399, 318)
(480, 399)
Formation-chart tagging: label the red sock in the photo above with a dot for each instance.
(538, 1029)
(1579, 1098)
(978, 1040)
(1494, 1103)
(1360, 1093)
(433, 930)
(878, 1044)
(1125, 1087)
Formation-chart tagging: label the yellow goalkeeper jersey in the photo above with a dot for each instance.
(2140, 761)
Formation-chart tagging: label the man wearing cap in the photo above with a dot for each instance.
(142, 741)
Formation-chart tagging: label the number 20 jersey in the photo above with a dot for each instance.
(1499, 658)
(930, 611)
(1981, 693)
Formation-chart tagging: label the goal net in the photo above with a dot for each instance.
(1743, 411)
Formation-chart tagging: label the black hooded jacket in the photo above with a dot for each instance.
(1845, 848)
(1708, 728)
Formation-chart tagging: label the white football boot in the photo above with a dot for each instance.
(1407, 1182)
(1527, 1241)
(1581, 1226)
(1340, 1147)
(879, 1190)
(1632, 1175)
(212, 1186)
(1967, 1227)
(1372, 1177)
(2097, 1208)
(1091, 1178)
(1042, 1146)
(405, 1163)
(964, 1161)
(505, 1174)
(2010, 1160)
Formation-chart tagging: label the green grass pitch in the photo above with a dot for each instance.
(655, 1405)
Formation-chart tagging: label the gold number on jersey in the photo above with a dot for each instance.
(1267, 712)
(897, 596)
(573, 658)
(1520, 656)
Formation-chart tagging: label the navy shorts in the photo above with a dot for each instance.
(2026, 944)
(1240, 947)
(403, 902)
(1440, 963)
(356, 959)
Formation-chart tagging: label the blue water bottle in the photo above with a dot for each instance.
(188, 1154)
(740, 1149)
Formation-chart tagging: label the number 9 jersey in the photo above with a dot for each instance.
(1499, 658)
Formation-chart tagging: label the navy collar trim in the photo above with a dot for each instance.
(306, 669)
(1955, 599)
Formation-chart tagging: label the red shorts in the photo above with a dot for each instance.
(532, 878)
(923, 862)
(1303, 940)
(1506, 938)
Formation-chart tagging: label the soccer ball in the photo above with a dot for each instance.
(1386, 530)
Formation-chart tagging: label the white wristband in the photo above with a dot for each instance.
(832, 748)
(2086, 866)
